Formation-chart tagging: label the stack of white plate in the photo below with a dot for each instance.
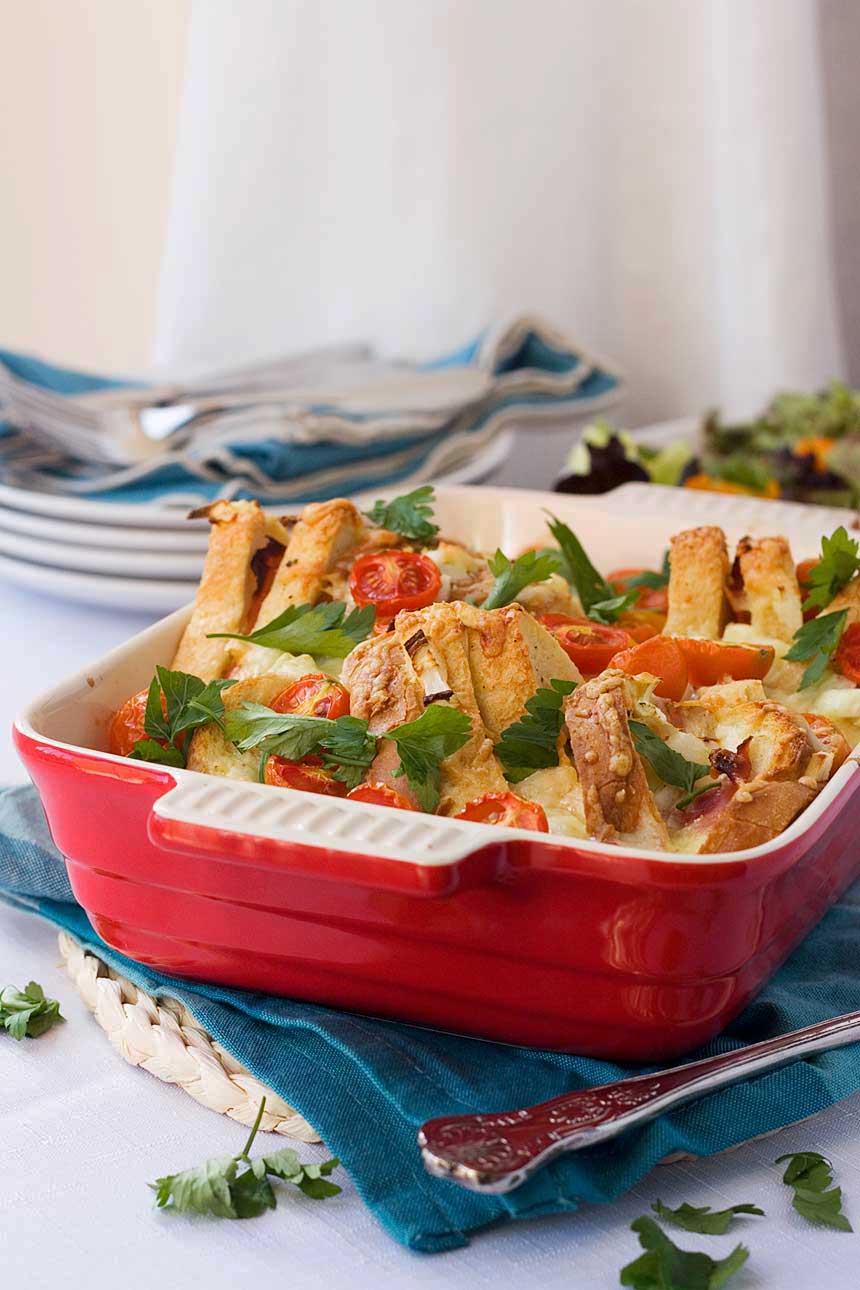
(125, 555)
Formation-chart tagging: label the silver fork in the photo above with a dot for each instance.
(496, 1152)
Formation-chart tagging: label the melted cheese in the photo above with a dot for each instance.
(260, 661)
(558, 791)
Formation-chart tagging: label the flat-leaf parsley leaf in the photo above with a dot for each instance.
(531, 743)
(28, 1012)
(817, 641)
(664, 1266)
(701, 1218)
(410, 515)
(238, 1186)
(513, 575)
(324, 630)
(811, 1176)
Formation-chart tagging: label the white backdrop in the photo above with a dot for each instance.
(652, 176)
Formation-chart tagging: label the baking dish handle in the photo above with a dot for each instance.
(321, 836)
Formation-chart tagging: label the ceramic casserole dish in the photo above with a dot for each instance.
(511, 935)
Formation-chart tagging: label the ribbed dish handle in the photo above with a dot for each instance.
(496, 1153)
(202, 812)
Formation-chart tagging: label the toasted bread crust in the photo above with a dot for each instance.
(770, 582)
(618, 804)
(510, 656)
(699, 569)
(322, 536)
(753, 816)
(226, 588)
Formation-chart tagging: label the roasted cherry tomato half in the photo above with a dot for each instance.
(304, 775)
(589, 645)
(803, 571)
(380, 795)
(642, 624)
(126, 725)
(314, 695)
(847, 657)
(661, 656)
(647, 597)
(711, 662)
(507, 809)
(394, 580)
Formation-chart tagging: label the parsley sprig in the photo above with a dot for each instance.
(671, 766)
(664, 1266)
(27, 1013)
(838, 563)
(531, 743)
(238, 1186)
(701, 1218)
(598, 598)
(410, 515)
(324, 630)
(811, 1176)
(177, 702)
(511, 576)
(343, 744)
(815, 643)
(347, 748)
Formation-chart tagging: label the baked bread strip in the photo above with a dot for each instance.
(618, 804)
(226, 588)
(212, 752)
(510, 657)
(699, 568)
(767, 571)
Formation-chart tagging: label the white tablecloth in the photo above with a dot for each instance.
(82, 1133)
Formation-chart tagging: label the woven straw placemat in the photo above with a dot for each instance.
(162, 1036)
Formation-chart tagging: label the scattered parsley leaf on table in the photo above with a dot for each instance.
(326, 630)
(531, 743)
(817, 641)
(28, 1013)
(220, 1189)
(703, 1219)
(664, 1266)
(598, 598)
(513, 575)
(670, 765)
(424, 743)
(811, 1176)
(410, 515)
(836, 566)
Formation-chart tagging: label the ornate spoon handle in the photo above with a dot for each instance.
(497, 1152)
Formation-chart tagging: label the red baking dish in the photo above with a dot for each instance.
(514, 936)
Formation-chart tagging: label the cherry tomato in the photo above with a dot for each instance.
(394, 580)
(804, 569)
(589, 645)
(847, 657)
(505, 808)
(661, 656)
(126, 725)
(304, 775)
(710, 662)
(314, 695)
(642, 624)
(380, 795)
(647, 597)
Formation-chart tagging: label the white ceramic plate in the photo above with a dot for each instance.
(148, 516)
(70, 532)
(103, 558)
(145, 595)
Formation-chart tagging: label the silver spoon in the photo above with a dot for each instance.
(496, 1152)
